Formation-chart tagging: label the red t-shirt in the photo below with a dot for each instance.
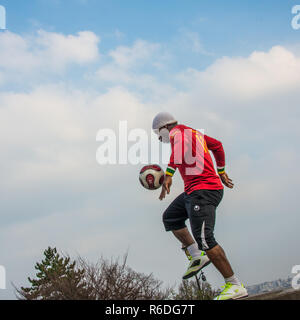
(190, 155)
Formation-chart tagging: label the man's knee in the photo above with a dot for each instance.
(206, 242)
(172, 224)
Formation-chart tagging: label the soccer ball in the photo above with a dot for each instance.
(152, 177)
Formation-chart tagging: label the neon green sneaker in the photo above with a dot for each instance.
(195, 265)
(232, 292)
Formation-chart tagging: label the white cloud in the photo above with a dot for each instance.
(61, 49)
(45, 52)
(262, 73)
(137, 67)
(15, 52)
(53, 133)
(140, 52)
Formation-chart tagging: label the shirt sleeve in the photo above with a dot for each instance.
(176, 146)
(217, 149)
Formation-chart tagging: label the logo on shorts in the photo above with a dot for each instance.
(196, 208)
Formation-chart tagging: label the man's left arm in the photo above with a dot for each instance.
(217, 149)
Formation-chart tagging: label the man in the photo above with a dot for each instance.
(203, 191)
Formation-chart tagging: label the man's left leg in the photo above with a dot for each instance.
(201, 207)
(233, 288)
(220, 261)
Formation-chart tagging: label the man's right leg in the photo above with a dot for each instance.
(198, 259)
(174, 220)
(184, 236)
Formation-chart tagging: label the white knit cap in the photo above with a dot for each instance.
(162, 119)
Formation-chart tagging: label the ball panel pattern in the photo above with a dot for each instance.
(152, 177)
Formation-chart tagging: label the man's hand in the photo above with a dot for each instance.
(226, 180)
(166, 187)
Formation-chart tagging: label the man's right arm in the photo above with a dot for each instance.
(175, 139)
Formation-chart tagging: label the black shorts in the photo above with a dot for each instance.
(200, 207)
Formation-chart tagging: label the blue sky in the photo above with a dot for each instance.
(224, 28)
(71, 68)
